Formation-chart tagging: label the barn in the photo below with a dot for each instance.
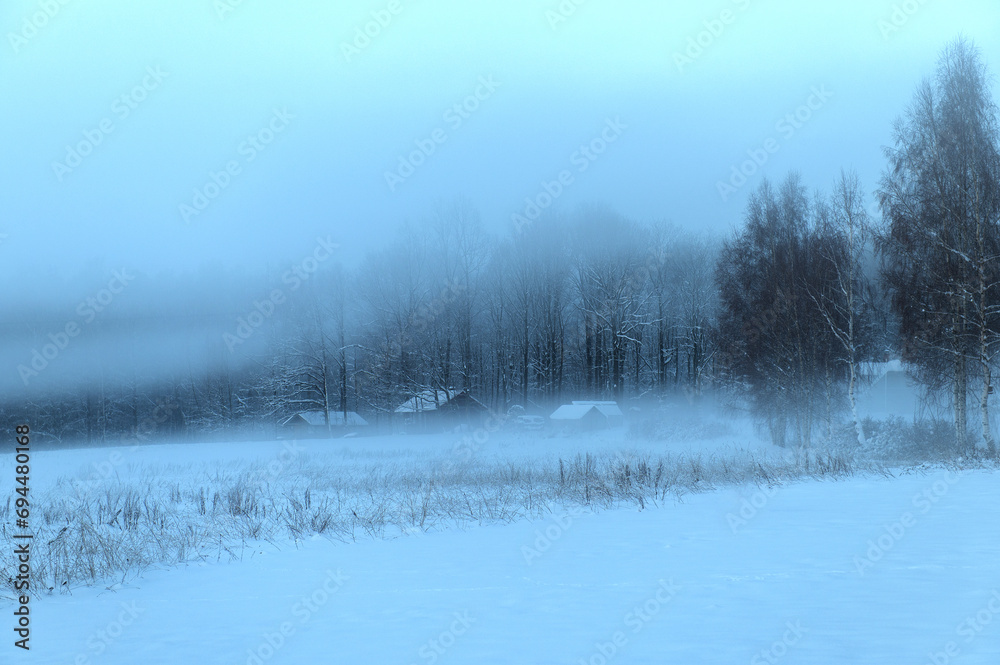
(312, 424)
(588, 415)
(888, 390)
(439, 410)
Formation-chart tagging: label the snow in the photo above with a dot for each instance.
(609, 409)
(431, 400)
(740, 575)
(578, 410)
(337, 419)
(572, 411)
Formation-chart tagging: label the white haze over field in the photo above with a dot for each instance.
(207, 148)
(237, 235)
(170, 92)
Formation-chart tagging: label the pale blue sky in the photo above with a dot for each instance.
(324, 173)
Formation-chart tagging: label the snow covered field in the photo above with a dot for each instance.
(862, 569)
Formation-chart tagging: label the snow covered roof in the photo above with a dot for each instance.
(317, 419)
(610, 409)
(572, 411)
(353, 419)
(427, 400)
(875, 371)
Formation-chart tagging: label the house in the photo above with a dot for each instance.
(588, 415)
(887, 390)
(312, 424)
(436, 410)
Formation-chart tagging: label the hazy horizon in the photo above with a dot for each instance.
(199, 80)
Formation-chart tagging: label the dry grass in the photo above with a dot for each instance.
(115, 531)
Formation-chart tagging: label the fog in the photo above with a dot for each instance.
(172, 162)
(221, 71)
(298, 295)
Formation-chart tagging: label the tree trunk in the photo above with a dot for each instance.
(960, 397)
(829, 404)
(343, 362)
(984, 352)
(524, 370)
(852, 398)
(984, 406)
(661, 353)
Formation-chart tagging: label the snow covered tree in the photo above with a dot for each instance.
(940, 201)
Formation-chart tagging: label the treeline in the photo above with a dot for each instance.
(590, 306)
(799, 311)
(779, 318)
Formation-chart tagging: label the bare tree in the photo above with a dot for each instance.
(940, 200)
(841, 301)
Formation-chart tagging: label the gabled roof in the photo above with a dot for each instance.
(427, 400)
(610, 409)
(572, 411)
(317, 419)
(353, 419)
(875, 371)
(469, 400)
